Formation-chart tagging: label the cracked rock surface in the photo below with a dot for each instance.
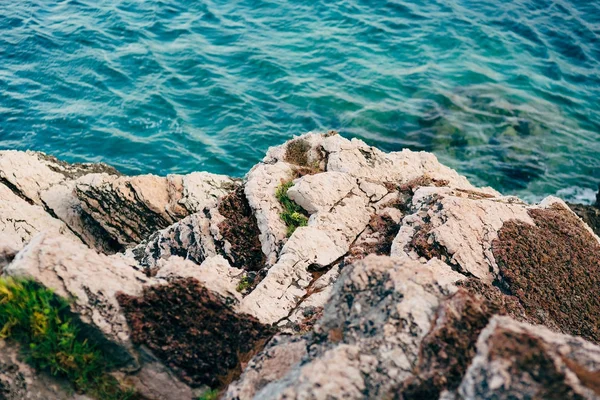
(400, 279)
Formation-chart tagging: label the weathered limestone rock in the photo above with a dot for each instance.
(214, 273)
(458, 227)
(31, 173)
(20, 221)
(132, 208)
(203, 250)
(343, 202)
(521, 361)
(322, 191)
(261, 184)
(189, 238)
(372, 327)
(62, 202)
(19, 381)
(272, 364)
(286, 282)
(359, 160)
(92, 280)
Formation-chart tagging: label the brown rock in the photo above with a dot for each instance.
(554, 270)
(193, 332)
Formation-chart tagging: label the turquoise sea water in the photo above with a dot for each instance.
(507, 92)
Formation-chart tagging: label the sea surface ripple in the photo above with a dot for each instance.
(507, 92)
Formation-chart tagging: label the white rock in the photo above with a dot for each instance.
(214, 273)
(463, 223)
(322, 191)
(261, 184)
(285, 284)
(20, 221)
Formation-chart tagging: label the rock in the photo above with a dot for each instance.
(239, 232)
(536, 260)
(19, 381)
(130, 209)
(214, 273)
(321, 192)
(356, 159)
(189, 238)
(92, 280)
(261, 184)
(272, 364)
(9, 247)
(61, 201)
(458, 227)
(31, 173)
(203, 272)
(192, 331)
(287, 281)
(380, 310)
(20, 221)
(590, 214)
(520, 361)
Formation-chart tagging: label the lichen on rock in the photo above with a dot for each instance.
(192, 331)
(395, 278)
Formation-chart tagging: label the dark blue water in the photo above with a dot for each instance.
(507, 92)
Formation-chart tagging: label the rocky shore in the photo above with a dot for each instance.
(332, 270)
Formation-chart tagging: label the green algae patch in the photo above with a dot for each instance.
(293, 215)
(210, 395)
(51, 339)
(245, 284)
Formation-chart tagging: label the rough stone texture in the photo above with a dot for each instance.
(90, 279)
(371, 329)
(130, 209)
(287, 281)
(310, 308)
(260, 187)
(214, 273)
(272, 364)
(192, 331)
(48, 182)
(447, 350)
(9, 247)
(553, 268)
(590, 214)
(20, 221)
(321, 192)
(359, 160)
(371, 326)
(60, 200)
(457, 227)
(521, 361)
(189, 238)
(18, 381)
(30, 173)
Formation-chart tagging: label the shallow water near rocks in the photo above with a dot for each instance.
(505, 92)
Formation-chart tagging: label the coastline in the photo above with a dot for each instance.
(332, 268)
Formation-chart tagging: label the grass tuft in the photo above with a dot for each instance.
(245, 283)
(39, 320)
(293, 215)
(210, 395)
